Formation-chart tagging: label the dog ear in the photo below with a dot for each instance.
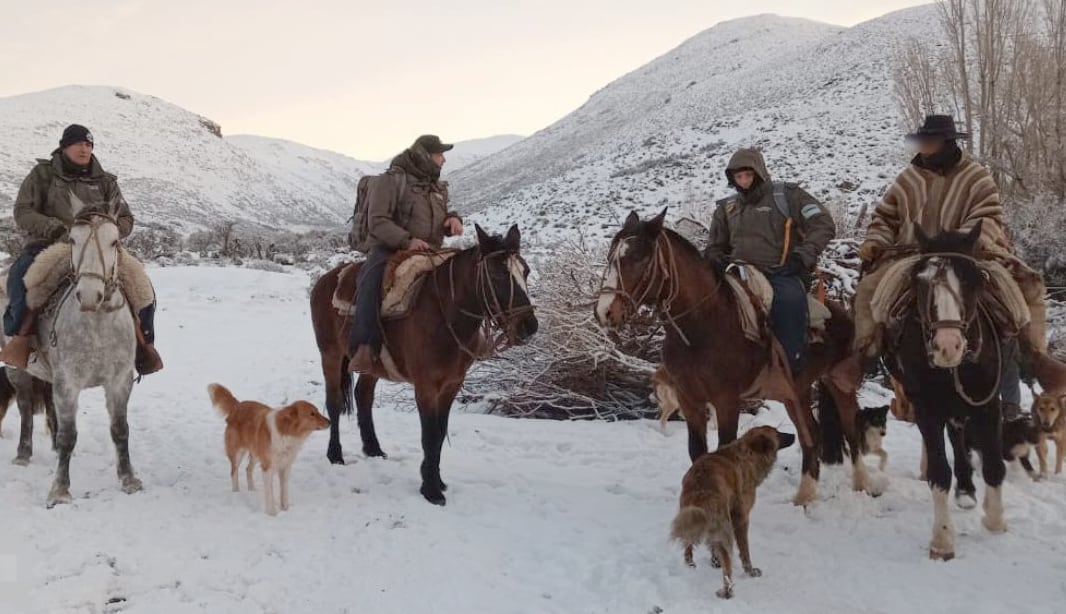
(1062, 402)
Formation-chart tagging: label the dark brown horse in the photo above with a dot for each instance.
(432, 347)
(706, 352)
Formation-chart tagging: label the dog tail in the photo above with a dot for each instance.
(832, 431)
(222, 399)
(694, 525)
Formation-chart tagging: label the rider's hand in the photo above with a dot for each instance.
(454, 226)
(870, 251)
(417, 245)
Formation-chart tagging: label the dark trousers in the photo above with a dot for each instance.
(16, 290)
(366, 326)
(788, 317)
(1010, 386)
(147, 318)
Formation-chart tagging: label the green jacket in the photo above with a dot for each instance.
(419, 212)
(43, 208)
(748, 227)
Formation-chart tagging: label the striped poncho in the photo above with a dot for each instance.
(955, 202)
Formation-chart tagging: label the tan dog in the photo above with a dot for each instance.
(717, 495)
(1050, 414)
(271, 437)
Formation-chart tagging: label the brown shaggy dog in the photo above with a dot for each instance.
(271, 437)
(717, 495)
(1050, 414)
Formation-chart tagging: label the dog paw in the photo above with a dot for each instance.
(725, 593)
(715, 563)
(754, 572)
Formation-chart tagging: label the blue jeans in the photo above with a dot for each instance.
(788, 318)
(16, 290)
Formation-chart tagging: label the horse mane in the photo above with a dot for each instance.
(684, 243)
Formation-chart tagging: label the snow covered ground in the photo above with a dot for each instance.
(541, 516)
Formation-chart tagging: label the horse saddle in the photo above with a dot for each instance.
(1004, 300)
(51, 272)
(404, 274)
(755, 295)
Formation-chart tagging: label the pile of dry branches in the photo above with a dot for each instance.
(572, 368)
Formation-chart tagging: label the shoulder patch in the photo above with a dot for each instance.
(809, 211)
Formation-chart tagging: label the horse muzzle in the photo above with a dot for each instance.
(90, 300)
(947, 348)
(522, 330)
(610, 311)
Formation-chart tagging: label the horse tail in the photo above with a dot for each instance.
(347, 390)
(7, 391)
(832, 433)
(222, 399)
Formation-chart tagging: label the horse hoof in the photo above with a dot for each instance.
(941, 555)
(374, 453)
(131, 485)
(336, 460)
(433, 496)
(58, 497)
(994, 526)
(443, 487)
(965, 500)
(21, 461)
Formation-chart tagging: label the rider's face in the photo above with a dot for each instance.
(928, 147)
(79, 153)
(744, 178)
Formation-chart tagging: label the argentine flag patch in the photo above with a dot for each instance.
(809, 211)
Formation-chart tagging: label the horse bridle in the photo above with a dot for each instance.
(930, 327)
(661, 270)
(110, 278)
(495, 315)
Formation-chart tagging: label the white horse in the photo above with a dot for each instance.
(88, 340)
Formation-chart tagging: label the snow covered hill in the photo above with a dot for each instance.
(543, 517)
(178, 168)
(816, 98)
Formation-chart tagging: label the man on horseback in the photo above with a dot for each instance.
(407, 209)
(780, 229)
(44, 212)
(944, 189)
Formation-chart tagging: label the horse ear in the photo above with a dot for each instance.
(632, 221)
(655, 224)
(513, 240)
(971, 237)
(482, 237)
(919, 234)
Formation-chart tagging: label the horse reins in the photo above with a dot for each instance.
(495, 314)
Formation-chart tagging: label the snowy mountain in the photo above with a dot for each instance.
(175, 167)
(816, 98)
(469, 152)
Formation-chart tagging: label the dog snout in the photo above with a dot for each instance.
(784, 440)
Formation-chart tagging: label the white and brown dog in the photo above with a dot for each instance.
(271, 437)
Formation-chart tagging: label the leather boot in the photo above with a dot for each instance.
(16, 352)
(147, 359)
(364, 359)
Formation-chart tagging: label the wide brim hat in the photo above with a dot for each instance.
(937, 127)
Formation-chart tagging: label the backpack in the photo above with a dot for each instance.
(359, 235)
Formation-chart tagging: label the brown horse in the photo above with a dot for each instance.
(432, 347)
(706, 352)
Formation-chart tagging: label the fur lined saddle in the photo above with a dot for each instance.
(1005, 301)
(404, 274)
(51, 272)
(755, 295)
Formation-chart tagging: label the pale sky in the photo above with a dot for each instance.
(364, 77)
